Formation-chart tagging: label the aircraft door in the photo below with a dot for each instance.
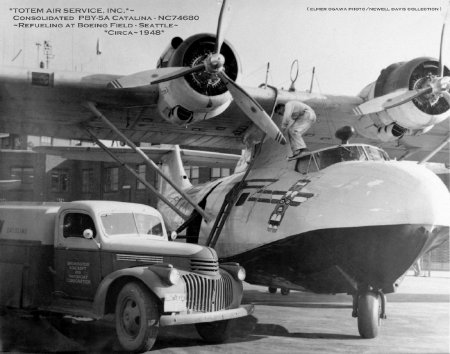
(77, 258)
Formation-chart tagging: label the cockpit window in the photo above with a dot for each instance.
(306, 164)
(376, 154)
(322, 159)
(341, 153)
(131, 223)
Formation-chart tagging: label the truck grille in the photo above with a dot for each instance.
(207, 295)
(208, 267)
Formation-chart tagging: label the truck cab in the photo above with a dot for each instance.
(95, 258)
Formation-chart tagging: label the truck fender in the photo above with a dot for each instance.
(116, 280)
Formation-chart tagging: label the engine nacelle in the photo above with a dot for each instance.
(200, 95)
(411, 118)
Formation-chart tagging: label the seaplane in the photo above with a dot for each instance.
(341, 219)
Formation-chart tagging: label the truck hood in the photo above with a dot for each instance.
(145, 246)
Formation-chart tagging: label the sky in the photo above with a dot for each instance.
(348, 47)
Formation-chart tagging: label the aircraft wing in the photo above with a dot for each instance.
(188, 156)
(54, 104)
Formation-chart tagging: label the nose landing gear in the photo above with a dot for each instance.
(369, 307)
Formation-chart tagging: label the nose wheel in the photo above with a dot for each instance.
(369, 308)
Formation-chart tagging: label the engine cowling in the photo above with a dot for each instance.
(199, 95)
(411, 118)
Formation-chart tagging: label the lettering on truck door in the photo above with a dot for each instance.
(77, 259)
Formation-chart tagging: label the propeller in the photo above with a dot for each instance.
(435, 86)
(214, 66)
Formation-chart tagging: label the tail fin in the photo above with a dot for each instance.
(172, 166)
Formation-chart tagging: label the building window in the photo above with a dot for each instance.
(87, 181)
(46, 140)
(218, 172)
(112, 179)
(192, 172)
(60, 181)
(141, 172)
(25, 175)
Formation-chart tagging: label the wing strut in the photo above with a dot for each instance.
(149, 163)
(436, 150)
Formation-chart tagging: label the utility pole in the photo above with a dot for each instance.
(38, 47)
(48, 53)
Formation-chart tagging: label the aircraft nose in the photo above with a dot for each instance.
(376, 219)
(384, 193)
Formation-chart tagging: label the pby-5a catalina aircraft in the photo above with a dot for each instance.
(339, 219)
(194, 98)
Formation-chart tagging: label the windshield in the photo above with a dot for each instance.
(322, 159)
(339, 154)
(131, 223)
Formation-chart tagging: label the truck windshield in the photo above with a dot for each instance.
(131, 223)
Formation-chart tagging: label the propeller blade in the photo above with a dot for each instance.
(222, 25)
(141, 78)
(441, 63)
(441, 60)
(389, 100)
(252, 109)
(183, 71)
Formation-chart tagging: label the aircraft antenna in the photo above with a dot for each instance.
(312, 79)
(267, 74)
(294, 75)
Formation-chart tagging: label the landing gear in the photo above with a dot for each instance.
(272, 290)
(369, 308)
(285, 291)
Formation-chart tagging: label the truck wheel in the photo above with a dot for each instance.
(214, 332)
(368, 315)
(137, 318)
(272, 290)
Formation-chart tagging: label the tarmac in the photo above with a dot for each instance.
(418, 321)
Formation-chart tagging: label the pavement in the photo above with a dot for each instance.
(418, 322)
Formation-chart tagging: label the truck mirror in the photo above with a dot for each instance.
(173, 236)
(88, 234)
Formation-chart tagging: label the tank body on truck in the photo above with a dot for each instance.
(96, 258)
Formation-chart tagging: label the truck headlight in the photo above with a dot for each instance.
(241, 274)
(173, 276)
(235, 270)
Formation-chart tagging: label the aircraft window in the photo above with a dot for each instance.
(306, 164)
(129, 223)
(76, 223)
(376, 154)
(342, 153)
(242, 199)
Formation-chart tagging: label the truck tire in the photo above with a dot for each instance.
(136, 317)
(214, 332)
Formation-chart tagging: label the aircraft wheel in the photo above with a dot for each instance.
(272, 290)
(369, 314)
(285, 291)
(214, 332)
(137, 318)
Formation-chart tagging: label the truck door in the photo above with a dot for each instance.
(77, 259)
